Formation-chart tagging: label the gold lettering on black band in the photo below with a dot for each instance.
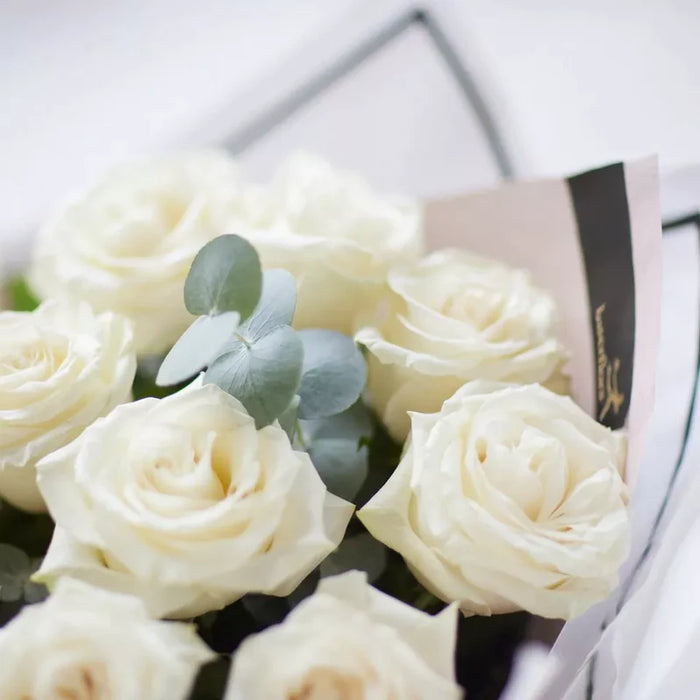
(609, 395)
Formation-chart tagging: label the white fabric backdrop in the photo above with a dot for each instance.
(85, 84)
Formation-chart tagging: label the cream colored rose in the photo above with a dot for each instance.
(182, 502)
(336, 236)
(510, 497)
(87, 644)
(451, 318)
(126, 245)
(61, 367)
(349, 640)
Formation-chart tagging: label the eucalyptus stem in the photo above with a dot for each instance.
(299, 435)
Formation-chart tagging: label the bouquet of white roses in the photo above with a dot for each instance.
(349, 467)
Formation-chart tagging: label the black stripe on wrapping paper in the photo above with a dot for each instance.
(599, 198)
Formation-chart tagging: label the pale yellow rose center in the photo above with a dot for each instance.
(170, 461)
(328, 684)
(79, 683)
(177, 470)
(140, 229)
(527, 465)
(478, 305)
(22, 359)
(46, 354)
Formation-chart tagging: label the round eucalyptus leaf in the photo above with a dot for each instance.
(263, 375)
(197, 347)
(341, 463)
(225, 276)
(355, 423)
(15, 570)
(361, 552)
(334, 373)
(35, 592)
(276, 306)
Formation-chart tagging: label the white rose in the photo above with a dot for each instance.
(336, 236)
(510, 497)
(127, 244)
(182, 502)
(84, 644)
(61, 367)
(349, 640)
(451, 318)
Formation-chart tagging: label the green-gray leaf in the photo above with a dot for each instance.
(263, 375)
(225, 276)
(276, 305)
(361, 552)
(341, 463)
(288, 418)
(334, 373)
(15, 569)
(353, 424)
(198, 346)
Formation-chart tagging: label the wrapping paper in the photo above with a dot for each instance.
(633, 655)
(594, 240)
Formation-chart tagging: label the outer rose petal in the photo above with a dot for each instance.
(182, 502)
(451, 318)
(64, 366)
(508, 498)
(127, 243)
(337, 237)
(352, 639)
(84, 641)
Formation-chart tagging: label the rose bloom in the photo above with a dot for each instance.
(182, 502)
(509, 498)
(61, 367)
(336, 236)
(451, 318)
(127, 244)
(84, 643)
(349, 640)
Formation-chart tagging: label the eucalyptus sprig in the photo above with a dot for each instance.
(243, 339)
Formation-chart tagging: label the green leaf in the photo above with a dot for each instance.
(266, 610)
(353, 424)
(334, 373)
(225, 276)
(19, 296)
(276, 305)
(144, 386)
(263, 375)
(339, 448)
(29, 532)
(15, 571)
(361, 552)
(198, 346)
(305, 588)
(341, 463)
(35, 592)
(288, 419)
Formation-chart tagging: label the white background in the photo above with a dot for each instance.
(86, 83)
